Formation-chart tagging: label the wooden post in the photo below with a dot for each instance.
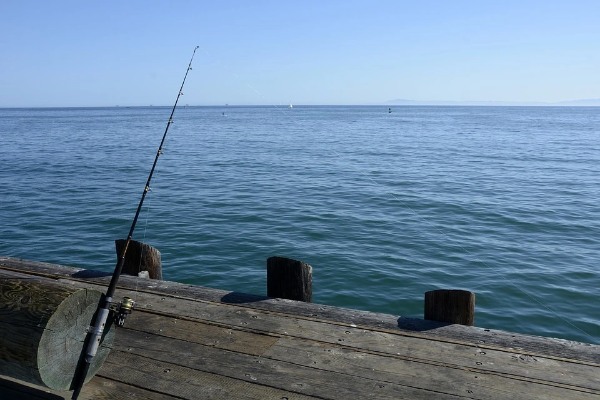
(289, 279)
(140, 257)
(43, 325)
(453, 306)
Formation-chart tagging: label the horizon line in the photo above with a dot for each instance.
(589, 102)
(397, 103)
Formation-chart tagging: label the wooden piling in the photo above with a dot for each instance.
(140, 257)
(289, 279)
(43, 325)
(452, 306)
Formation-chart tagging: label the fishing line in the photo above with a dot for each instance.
(105, 307)
(419, 216)
(242, 82)
(142, 250)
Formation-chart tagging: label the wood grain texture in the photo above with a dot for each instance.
(521, 365)
(140, 257)
(451, 306)
(289, 279)
(431, 352)
(186, 342)
(42, 328)
(260, 371)
(416, 367)
(12, 388)
(529, 344)
(99, 388)
(173, 380)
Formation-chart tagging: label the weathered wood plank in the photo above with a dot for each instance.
(11, 388)
(311, 342)
(533, 345)
(452, 355)
(170, 380)
(266, 372)
(409, 326)
(42, 328)
(102, 388)
(98, 388)
(513, 363)
(459, 381)
(251, 343)
(356, 361)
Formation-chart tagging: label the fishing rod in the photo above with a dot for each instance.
(95, 333)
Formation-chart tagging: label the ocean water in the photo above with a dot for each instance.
(502, 201)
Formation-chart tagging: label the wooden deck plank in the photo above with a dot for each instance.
(458, 381)
(252, 343)
(472, 356)
(98, 388)
(358, 363)
(410, 326)
(172, 380)
(475, 357)
(11, 388)
(218, 344)
(572, 374)
(266, 372)
(101, 388)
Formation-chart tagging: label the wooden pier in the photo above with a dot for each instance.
(190, 342)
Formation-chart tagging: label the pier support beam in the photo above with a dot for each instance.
(43, 325)
(289, 279)
(453, 306)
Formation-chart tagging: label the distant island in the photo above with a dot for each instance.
(580, 102)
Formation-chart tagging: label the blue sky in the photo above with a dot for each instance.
(104, 53)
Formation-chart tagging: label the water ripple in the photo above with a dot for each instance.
(500, 201)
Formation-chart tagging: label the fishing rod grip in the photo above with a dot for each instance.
(96, 332)
(92, 343)
(80, 380)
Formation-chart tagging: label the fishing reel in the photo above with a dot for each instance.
(122, 310)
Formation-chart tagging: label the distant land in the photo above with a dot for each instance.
(580, 102)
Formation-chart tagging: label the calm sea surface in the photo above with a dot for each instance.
(502, 201)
